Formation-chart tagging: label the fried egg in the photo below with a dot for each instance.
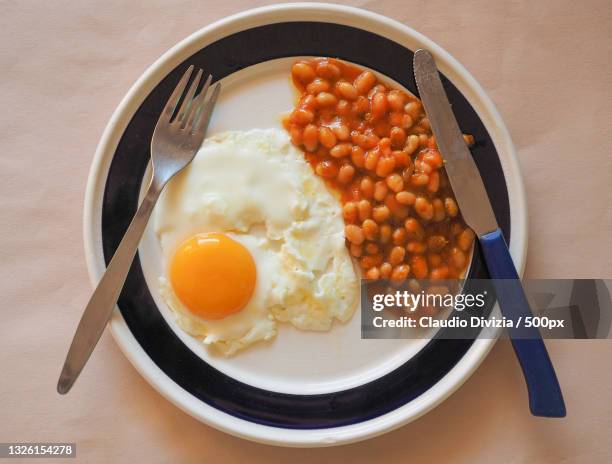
(252, 237)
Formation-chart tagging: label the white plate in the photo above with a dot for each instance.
(296, 362)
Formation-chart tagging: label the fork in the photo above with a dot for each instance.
(176, 139)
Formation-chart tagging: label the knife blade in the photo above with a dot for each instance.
(545, 397)
(462, 172)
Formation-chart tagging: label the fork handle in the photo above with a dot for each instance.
(101, 304)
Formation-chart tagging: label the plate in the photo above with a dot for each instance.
(303, 388)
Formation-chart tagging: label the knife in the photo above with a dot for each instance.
(545, 397)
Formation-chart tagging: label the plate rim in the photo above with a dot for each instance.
(103, 156)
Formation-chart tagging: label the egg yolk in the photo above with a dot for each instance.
(212, 275)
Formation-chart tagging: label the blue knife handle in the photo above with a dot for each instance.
(545, 397)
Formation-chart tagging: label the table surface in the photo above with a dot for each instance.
(64, 66)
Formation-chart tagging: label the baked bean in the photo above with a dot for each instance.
(412, 143)
(400, 273)
(402, 160)
(370, 229)
(395, 182)
(416, 247)
(350, 211)
(327, 137)
(439, 273)
(407, 121)
(346, 173)
(399, 236)
(396, 255)
(469, 139)
(396, 100)
(398, 137)
(419, 179)
(465, 239)
(366, 185)
(413, 108)
(343, 108)
(381, 213)
(356, 250)
(317, 86)
(414, 229)
(377, 88)
(303, 72)
(380, 190)
(296, 135)
(326, 99)
(340, 150)
(385, 166)
(371, 159)
(423, 140)
(347, 90)
(328, 70)
(422, 167)
(384, 145)
(370, 261)
(436, 242)
(457, 257)
(398, 210)
(371, 248)
(358, 156)
(365, 209)
(373, 273)
(364, 82)
(310, 137)
(342, 132)
(384, 233)
(308, 102)
(433, 158)
(451, 207)
(379, 105)
(301, 116)
(327, 169)
(424, 208)
(424, 123)
(439, 211)
(419, 267)
(405, 198)
(371, 139)
(354, 234)
(385, 270)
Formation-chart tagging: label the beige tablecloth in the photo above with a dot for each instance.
(64, 66)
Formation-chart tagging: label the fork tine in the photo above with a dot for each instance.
(182, 112)
(210, 104)
(176, 93)
(198, 104)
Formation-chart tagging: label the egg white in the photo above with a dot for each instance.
(255, 187)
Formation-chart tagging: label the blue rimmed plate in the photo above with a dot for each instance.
(302, 389)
